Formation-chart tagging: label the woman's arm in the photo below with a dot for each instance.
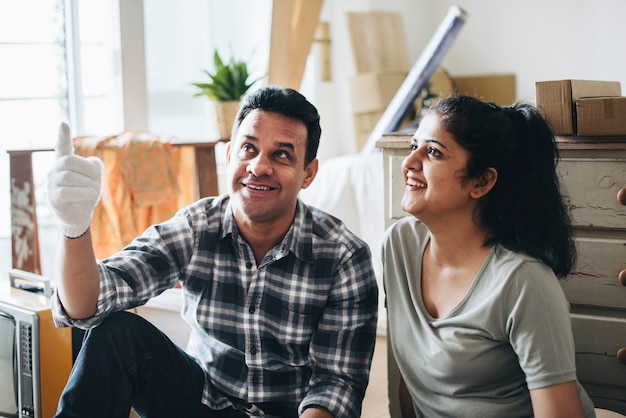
(557, 401)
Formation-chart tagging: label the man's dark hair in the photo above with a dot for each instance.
(289, 103)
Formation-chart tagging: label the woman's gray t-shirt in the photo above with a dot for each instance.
(510, 333)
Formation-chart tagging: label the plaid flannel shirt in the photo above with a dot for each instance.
(298, 328)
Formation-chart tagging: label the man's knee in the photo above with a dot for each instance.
(120, 326)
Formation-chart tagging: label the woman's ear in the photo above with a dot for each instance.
(484, 183)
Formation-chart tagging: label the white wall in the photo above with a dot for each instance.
(179, 45)
(535, 39)
(540, 40)
(331, 97)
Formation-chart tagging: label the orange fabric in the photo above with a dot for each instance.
(146, 180)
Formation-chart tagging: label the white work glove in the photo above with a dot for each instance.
(74, 186)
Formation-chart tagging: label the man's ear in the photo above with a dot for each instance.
(228, 151)
(310, 172)
(484, 183)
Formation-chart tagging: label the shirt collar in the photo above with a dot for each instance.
(298, 239)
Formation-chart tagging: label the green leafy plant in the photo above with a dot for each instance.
(228, 82)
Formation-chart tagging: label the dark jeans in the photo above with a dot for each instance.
(127, 362)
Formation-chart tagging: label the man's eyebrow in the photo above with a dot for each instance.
(279, 144)
(285, 145)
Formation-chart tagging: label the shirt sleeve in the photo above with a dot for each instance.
(144, 269)
(540, 327)
(342, 348)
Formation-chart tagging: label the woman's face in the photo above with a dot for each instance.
(434, 174)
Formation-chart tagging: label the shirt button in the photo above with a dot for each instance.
(248, 265)
(252, 309)
(253, 350)
(255, 379)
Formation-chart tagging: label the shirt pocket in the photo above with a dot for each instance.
(290, 327)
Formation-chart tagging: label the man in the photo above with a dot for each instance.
(281, 297)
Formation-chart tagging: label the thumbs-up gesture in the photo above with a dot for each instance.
(74, 186)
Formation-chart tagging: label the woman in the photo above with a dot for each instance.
(478, 322)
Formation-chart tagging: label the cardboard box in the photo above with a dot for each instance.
(372, 92)
(498, 88)
(378, 42)
(364, 123)
(601, 116)
(556, 100)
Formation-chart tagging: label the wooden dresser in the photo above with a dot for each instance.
(593, 177)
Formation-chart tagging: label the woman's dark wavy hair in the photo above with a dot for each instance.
(524, 211)
(286, 102)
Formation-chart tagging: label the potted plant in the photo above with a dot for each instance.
(227, 84)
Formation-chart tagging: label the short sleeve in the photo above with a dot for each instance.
(539, 326)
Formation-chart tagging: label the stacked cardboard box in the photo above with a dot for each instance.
(582, 107)
(497, 88)
(370, 93)
(381, 65)
(601, 116)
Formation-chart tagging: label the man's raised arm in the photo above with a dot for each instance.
(74, 186)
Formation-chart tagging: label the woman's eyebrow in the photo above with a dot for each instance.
(432, 141)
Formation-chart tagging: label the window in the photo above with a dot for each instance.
(58, 64)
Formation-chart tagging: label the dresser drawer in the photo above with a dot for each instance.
(591, 187)
(595, 279)
(597, 340)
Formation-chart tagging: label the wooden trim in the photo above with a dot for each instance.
(293, 30)
(304, 24)
(280, 42)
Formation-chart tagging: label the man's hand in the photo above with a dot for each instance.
(74, 186)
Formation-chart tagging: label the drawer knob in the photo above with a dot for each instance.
(622, 277)
(621, 196)
(621, 355)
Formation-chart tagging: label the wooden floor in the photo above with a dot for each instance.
(376, 402)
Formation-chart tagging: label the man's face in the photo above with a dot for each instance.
(265, 168)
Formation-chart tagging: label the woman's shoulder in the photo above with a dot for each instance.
(406, 235)
(520, 262)
(408, 225)
(518, 271)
